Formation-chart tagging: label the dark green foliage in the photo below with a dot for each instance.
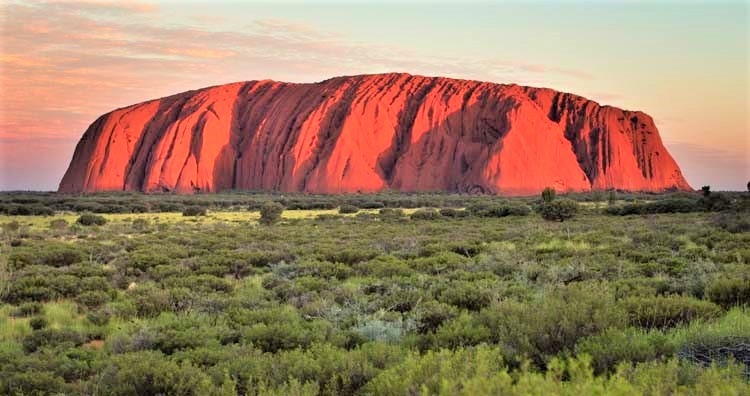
(37, 323)
(465, 295)
(559, 209)
(562, 317)
(194, 210)
(715, 202)
(89, 219)
(732, 222)
(345, 209)
(99, 317)
(614, 346)
(432, 314)
(729, 292)
(28, 309)
(663, 312)
(706, 191)
(92, 299)
(51, 337)
(270, 213)
(149, 373)
(499, 209)
(425, 214)
(475, 302)
(669, 205)
(450, 212)
(548, 195)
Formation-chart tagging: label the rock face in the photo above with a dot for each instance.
(370, 133)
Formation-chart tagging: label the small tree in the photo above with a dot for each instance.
(270, 213)
(559, 210)
(611, 197)
(706, 190)
(548, 195)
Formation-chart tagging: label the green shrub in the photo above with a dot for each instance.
(663, 312)
(149, 300)
(270, 213)
(99, 317)
(425, 214)
(432, 314)
(666, 205)
(38, 323)
(345, 209)
(194, 210)
(149, 373)
(466, 295)
(454, 213)
(631, 345)
(499, 209)
(51, 337)
(563, 316)
(548, 195)
(391, 214)
(89, 219)
(28, 309)
(92, 299)
(559, 210)
(729, 292)
(462, 331)
(731, 222)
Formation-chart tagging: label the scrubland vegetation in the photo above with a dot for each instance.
(386, 294)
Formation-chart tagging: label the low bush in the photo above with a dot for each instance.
(89, 219)
(729, 292)
(425, 214)
(633, 345)
(51, 337)
(28, 309)
(667, 205)
(38, 323)
(346, 209)
(92, 299)
(270, 213)
(563, 316)
(194, 211)
(455, 213)
(661, 312)
(559, 209)
(499, 209)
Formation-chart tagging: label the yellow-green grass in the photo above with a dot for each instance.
(60, 314)
(12, 328)
(43, 222)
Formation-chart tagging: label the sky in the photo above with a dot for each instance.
(62, 63)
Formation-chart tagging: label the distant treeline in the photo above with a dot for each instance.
(616, 203)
